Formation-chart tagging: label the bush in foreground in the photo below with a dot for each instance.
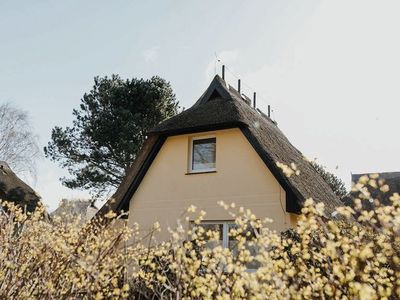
(354, 255)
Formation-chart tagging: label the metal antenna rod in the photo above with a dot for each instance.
(254, 99)
(239, 86)
(223, 72)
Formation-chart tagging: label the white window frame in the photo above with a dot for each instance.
(225, 230)
(190, 162)
(225, 234)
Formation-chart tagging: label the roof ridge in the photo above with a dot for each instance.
(217, 85)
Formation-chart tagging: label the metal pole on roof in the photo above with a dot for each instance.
(223, 72)
(239, 86)
(269, 111)
(254, 99)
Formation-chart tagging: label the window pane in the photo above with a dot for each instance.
(203, 156)
(232, 242)
(214, 228)
(249, 234)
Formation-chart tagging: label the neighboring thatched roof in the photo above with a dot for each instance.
(13, 189)
(73, 208)
(222, 107)
(392, 179)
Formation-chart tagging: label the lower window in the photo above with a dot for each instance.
(227, 240)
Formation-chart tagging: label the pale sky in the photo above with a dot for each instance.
(330, 69)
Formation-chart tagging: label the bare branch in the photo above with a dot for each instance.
(18, 144)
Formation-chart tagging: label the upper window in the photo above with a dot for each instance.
(203, 152)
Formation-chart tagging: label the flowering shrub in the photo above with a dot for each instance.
(354, 255)
(56, 260)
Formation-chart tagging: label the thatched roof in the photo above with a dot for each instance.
(73, 208)
(221, 107)
(392, 179)
(13, 189)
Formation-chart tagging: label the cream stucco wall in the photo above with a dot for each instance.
(241, 177)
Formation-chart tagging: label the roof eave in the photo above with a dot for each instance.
(294, 199)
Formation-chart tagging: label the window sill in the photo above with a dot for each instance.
(201, 172)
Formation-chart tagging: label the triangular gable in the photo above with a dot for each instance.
(217, 89)
(222, 107)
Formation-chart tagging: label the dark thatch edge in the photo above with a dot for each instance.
(124, 204)
(119, 202)
(292, 194)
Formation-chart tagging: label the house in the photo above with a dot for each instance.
(74, 208)
(221, 148)
(13, 189)
(392, 179)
